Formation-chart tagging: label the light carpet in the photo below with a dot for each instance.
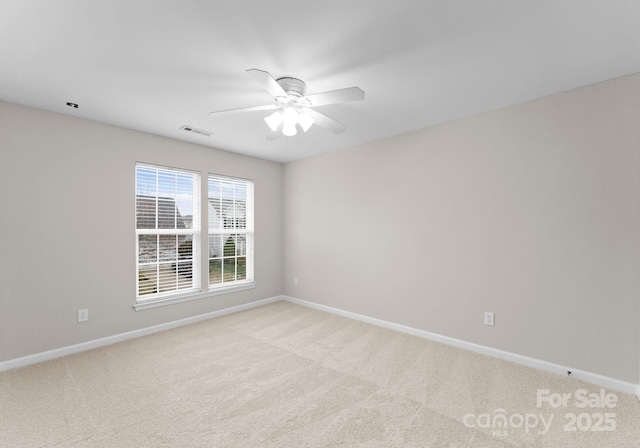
(283, 375)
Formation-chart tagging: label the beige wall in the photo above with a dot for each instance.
(66, 228)
(531, 212)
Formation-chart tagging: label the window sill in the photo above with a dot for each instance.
(155, 303)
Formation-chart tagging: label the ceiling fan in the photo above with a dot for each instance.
(293, 108)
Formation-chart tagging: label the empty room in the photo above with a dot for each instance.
(332, 224)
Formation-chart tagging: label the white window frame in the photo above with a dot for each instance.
(247, 231)
(200, 287)
(171, 295)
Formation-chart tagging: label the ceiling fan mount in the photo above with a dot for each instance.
(293, 107)
(292, 86)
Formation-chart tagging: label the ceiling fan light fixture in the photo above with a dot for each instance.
(274, 120)
(289, 129)
(290, 116)
(289, 119)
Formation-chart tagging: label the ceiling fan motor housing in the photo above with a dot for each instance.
(293, 86)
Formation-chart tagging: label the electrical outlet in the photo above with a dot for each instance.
(83, 315)
(488, 318)
(295, 281)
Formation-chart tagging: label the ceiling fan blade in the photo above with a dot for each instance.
(326, 122)
(336, 96)
(268, 82)
(244, 109)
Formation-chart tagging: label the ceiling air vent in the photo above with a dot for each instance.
(196, 131)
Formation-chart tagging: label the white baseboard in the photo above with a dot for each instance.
(83, 346)
(592, 378)
(588, 377)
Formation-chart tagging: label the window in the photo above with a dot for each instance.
(167, 232)
(169, 246)
(230, 210)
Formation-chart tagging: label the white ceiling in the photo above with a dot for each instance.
(156, 65)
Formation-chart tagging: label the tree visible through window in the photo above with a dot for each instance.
(230, 208)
